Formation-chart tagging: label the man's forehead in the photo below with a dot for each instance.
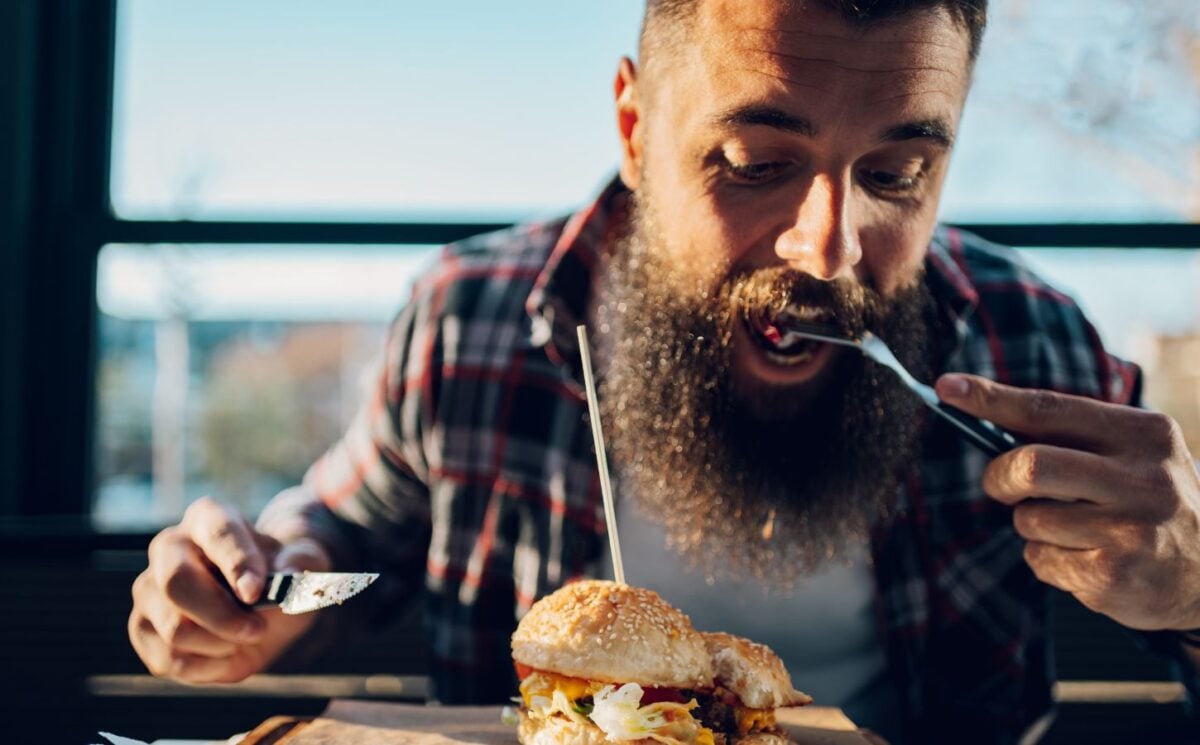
(786, 33)
(913, 66)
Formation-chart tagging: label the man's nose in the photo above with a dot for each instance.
(821, 241)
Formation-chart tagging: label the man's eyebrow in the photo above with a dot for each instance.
(767, 116)
(931, 129)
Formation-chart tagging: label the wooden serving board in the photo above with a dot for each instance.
(374, 723)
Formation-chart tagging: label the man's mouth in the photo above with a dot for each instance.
(781, 345)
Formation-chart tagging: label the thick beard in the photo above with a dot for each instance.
(744, 479)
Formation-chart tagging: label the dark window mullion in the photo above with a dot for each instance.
(137, 231)
(69, 187)
(1064, 235)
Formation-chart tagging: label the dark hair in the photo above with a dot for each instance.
(666, 20)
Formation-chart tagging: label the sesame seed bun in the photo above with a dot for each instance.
(752, 671)
(602, 631)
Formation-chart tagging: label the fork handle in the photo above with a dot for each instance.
(979, 432)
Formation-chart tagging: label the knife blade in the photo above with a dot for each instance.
(303, 592)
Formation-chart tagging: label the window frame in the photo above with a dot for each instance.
(56, 87)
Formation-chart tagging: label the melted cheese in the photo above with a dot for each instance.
(754, 720)
(545, 684)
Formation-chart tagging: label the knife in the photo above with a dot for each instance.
(302, 592)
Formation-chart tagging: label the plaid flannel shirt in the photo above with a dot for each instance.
(468, 477)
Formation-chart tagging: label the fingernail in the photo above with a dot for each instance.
(248, 587)
(953, 386)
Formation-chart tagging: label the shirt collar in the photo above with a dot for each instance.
(953, 290)
(559, 299)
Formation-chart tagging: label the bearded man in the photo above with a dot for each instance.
(779, 159)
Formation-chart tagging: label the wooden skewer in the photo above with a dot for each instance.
(610, 515)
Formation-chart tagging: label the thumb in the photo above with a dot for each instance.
(303, 554)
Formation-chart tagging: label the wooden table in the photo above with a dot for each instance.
(375, 723)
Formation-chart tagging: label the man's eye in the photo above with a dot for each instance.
(754, 173)
(892, 183)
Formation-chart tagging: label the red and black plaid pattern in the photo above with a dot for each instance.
(468, 477)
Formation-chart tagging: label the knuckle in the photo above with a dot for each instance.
(135, 626)
(987, 393)
(200, 507)
(1112, 569)
(1033, 558)
(1160, 432)
(179, 665)
(223, 533)
(1159, 480)
(1028, 467)
(175, 630)
(1044, 405)
(234, 672)
(140, 587)
(178, 582)
(1026, 520)
(164, 537)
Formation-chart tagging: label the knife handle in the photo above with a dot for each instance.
(275, 589)
(979, 432)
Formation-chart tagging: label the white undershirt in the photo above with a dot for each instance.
(824, 629)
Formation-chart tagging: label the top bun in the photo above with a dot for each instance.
(752, 671)
(612, 633)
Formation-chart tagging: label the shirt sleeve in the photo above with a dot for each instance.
(367, 498)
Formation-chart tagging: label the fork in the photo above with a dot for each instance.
(979, 432)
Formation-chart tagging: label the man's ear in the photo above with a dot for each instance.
(629, 122)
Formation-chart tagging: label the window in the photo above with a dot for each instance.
(364, 110)
(280, 170)
(1082, 111)
(227, 369)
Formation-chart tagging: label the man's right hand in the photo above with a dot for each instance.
(185, 624)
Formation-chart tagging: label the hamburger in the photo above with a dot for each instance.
(601, 662)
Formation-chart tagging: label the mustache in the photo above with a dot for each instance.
(763, 294)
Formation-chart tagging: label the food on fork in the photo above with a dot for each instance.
(602, 662)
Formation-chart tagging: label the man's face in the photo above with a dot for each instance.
(777, 135)
(781, 163)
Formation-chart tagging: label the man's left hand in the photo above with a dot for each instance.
(1107, 498)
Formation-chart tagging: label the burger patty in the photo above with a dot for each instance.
(721, 710)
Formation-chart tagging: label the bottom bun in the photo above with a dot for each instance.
(563, 731)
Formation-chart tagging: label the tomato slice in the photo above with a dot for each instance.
(523, 671)
(658, 695)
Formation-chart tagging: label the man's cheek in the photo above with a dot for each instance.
(891, 267)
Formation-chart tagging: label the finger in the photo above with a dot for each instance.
(1039, 415)
(1070, 570)
(304, 554)
(1048, 471)
(161, 660)
(1065, 524)
(228, 541)
(178, 632)
(183, 579)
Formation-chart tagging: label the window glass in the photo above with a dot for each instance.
(1081, 110)
(1146, 305)
(364, 109)
(227, 370)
